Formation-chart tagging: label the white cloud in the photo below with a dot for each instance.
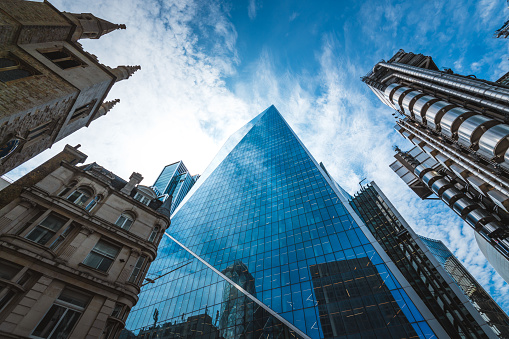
(294, 16)
(252, 8)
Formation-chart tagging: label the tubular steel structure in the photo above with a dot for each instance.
(462, 123)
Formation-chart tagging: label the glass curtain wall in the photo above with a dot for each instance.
(264, 216)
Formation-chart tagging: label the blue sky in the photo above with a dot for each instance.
(208, 67)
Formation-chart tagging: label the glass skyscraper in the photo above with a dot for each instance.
(265, 245)
(174, 180)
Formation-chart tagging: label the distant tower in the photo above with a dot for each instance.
(49, 86)
(175, 180)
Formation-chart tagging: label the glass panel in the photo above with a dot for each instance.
(49, 322)
(66, 325)
(4, 62)
(14, 74)
(106, 249)
(53, 222)
(40, 235)
(8, 270)
(265, 217)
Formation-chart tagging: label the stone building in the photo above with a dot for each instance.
(49, 86)
(75, 246)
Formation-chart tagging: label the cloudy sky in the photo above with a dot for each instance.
(210, 66)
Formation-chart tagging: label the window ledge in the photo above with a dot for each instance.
(95, 270)
(28, 245)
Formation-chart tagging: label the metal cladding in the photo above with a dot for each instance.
(452, 120)
(494, 142)
(472, 129)
(461, 124)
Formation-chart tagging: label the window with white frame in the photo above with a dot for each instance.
(137, 269)
(93, 203)
(63, 315)
(124, 221)
(153, 235)
(46, 229)
(80, 196)
(102, 256)
(141, 198)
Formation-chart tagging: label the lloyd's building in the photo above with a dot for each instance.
(267, 245)
(460, 128)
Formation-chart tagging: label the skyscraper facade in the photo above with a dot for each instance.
(266, 245)
(461, 123)
(175, 180)
(429, 266)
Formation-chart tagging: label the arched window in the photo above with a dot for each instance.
(11, 69)
(124, 221)
(153, 235)
(93, 202)
(80, 196)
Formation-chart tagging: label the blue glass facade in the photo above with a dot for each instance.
(271, 247)
(175, 180)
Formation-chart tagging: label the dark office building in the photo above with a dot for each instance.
(423, 266)
(267, 245)
(482, 301)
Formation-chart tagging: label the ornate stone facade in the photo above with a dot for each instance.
(49, 86)
(76, 243)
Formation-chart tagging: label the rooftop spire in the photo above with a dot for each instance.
(104, 109)
(88, 26)
(124, 72)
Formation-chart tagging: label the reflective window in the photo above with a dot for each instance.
(102, 256)
(63, 315)
(266, 218)
(124, 221)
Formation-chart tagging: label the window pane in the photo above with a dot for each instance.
(74, 297)
(6, 297)
(4, 62)
(120, 221)
(105, 264)
(40, 235)
(8, 270)
(75, 195)
(127, 224)
(66, 325)
(49, 321)
(14, 74)
(106, 249)
(93, 260)
(53, 222)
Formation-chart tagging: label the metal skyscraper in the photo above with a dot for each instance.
(460, 123)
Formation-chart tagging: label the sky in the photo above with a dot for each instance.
(210, 66)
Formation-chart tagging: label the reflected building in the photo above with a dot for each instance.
(461, 123)
(175, 181)
(236, 307)
(195, 327)
(268, 245)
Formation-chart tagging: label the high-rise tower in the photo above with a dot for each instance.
(49, 86)
(428, 265)
(266, 245)
(175, 181)
(461, 125)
